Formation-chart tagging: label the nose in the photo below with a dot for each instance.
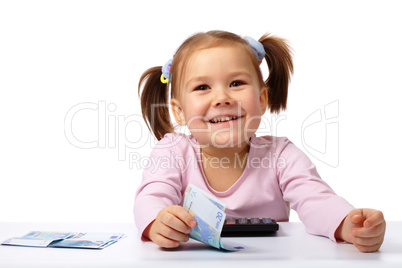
(222, 98)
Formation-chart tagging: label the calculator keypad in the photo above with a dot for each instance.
(249, 227)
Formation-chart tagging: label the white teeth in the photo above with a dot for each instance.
(223, 119)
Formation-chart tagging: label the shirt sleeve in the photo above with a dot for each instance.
(317, 205)
(160, 187)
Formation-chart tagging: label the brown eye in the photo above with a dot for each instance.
(236, 83)
(202, 87)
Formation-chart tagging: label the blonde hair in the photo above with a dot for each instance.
(155, 94)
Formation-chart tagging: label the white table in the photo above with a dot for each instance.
(291, 247)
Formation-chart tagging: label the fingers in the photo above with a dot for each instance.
(183, 215)
(367, 249)
(356, 216)
(373, 218)
(367, 243)
(169, 238)
(172, 221)
(373, 231)
(369, 235)
(171, 226)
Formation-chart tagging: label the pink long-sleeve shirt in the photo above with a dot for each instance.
(277, 177)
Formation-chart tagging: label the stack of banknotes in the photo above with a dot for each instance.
(65, 240)
(209, 212)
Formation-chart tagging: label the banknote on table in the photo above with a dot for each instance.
(209, 213)
(89, 240)
(65, 239)
(38, 239)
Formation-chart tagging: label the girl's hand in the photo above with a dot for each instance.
(172, 225)
(365, 228)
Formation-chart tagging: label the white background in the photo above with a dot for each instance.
(59, 57)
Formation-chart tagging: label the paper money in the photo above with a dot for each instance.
(89, 240)
(62, 239)
(209, 213)
(37, 239)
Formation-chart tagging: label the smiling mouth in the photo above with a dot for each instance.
(223, 119)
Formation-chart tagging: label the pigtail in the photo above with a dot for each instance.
(280, 65)
(154, 102)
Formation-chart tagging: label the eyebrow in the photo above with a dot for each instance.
(196, 79)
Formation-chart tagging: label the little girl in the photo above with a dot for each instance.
(218, 93)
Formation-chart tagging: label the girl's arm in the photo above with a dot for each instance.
(321, 210)
(365, 228)
(318, 206)
(158, 214)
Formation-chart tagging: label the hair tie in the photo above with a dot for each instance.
(166, 72)
(257, 47)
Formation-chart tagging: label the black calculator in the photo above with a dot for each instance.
(249, 227)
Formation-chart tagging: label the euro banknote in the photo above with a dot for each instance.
(209, 213)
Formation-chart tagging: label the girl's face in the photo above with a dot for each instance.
(221, 99)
